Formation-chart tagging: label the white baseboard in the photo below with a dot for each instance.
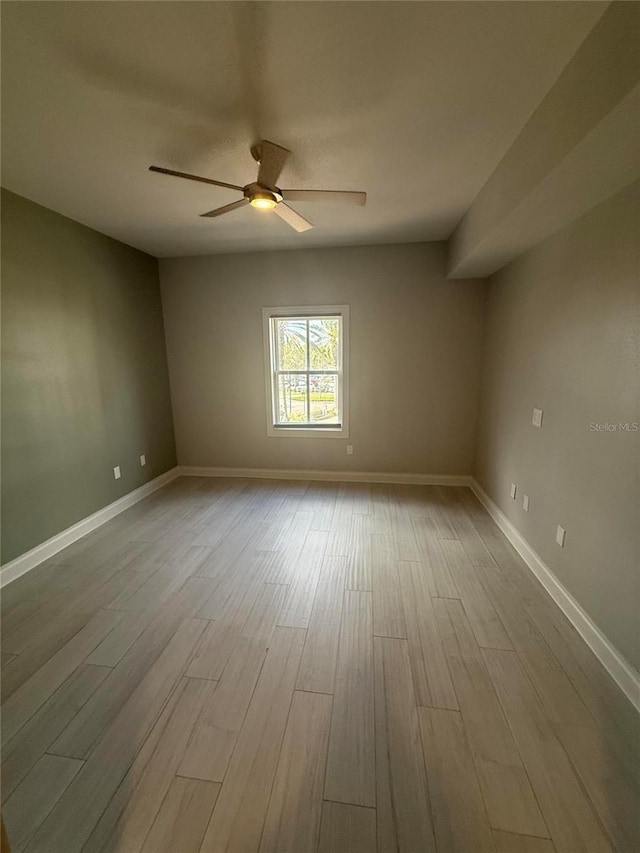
(332, 476)
(625, 676)
(25, 562)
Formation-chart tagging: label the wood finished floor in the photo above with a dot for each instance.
(293, 667)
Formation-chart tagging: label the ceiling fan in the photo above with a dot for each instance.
(263, 194)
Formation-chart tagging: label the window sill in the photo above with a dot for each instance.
(301, 432)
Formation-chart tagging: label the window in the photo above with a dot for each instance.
(306, 360)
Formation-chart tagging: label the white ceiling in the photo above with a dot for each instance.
(416, 103)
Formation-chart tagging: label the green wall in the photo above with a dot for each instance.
(84, 373)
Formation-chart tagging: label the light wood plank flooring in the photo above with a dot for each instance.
(292, 667)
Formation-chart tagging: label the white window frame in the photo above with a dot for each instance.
(269, 314)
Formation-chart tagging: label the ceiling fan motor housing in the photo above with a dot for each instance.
(256, 191)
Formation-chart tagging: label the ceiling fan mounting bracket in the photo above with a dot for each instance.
(256, 152)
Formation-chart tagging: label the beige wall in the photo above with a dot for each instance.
(562, 334)
(415, 346)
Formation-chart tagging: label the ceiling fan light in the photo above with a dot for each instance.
(263, 201)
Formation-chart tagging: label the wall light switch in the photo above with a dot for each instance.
(143, 460)
(536, 419)
(116, 473)
(350, 449)
(525, 503)
(514, 489)
(560, 534)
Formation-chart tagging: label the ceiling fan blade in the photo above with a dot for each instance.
(272, 159)
(195, 178)
(227, 208)
(337, 196)
(299, 223)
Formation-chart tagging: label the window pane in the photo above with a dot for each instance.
(292, 398)
(291, 342)
(324, 340)
(324, 399)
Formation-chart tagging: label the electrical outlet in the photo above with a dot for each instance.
(525, 503)
(349, 449)
(536, 418)
(143, 460)
(560, 534)
(116, 473)
(514, 490)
